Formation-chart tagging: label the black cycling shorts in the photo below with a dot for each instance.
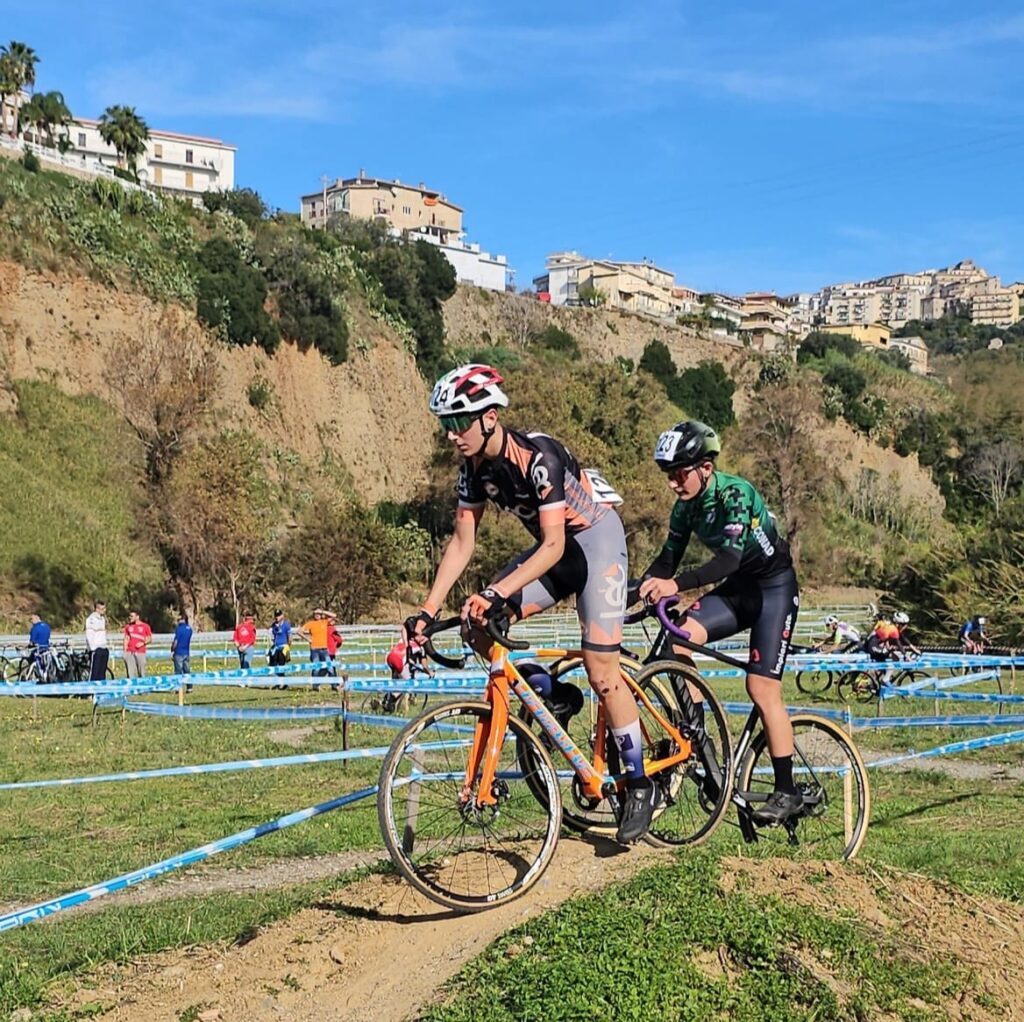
(767, 606)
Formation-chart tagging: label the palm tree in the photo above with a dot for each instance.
(53, 113)
(126, 131)
(17, 71)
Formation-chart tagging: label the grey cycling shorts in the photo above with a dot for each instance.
(594, 569)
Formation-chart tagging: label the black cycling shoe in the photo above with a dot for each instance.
(638, 805)
(780, 807)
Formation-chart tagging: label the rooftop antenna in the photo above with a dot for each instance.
(323, 181)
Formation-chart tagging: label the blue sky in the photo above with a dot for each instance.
(742, 145)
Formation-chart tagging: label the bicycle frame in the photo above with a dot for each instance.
(489, 735)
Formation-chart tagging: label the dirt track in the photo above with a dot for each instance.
(377, 951)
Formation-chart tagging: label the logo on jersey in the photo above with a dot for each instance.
(711, 517)
(733, 529)
(541, 480)
(761, 536)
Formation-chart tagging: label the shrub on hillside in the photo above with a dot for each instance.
(230, 297)
(657, 361)
(307, 283)
(244, 203)
(705, 392)
(416, 280)
(30, 161)
(554, 339)
(818, 343)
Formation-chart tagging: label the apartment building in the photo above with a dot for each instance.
(997, 307)
(634, 286)
(901, 297)
(404, 207)
(184, 165)
(727, 310)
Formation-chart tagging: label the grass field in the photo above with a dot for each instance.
(961, 830)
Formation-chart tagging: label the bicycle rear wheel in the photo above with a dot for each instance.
(461, 857)
(696, 793)
(814, 682)
(832, 778)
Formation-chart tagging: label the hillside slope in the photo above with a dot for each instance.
(62, 329)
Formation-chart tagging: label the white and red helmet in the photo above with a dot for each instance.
(468, 390)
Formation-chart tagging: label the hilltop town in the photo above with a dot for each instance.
(879, 313)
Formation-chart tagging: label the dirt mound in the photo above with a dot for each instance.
(376, 950)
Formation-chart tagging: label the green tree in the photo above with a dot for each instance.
(554, 339)
(17, 72)
(705, 392)
(126, 131)
(657, 361)
(48, 112)
(818, 343)
(230, 296)
(341, 556)
(244, 203)
(592, 296)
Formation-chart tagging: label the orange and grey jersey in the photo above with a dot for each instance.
(533, 473)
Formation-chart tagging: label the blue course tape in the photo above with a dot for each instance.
(888, 692)
(954, 747)
(46, 908)
(234, 712)
(965, 721)
(227, 767)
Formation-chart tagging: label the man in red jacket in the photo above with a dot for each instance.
(137, 636)
(245, 641)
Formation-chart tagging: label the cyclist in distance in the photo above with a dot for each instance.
(579, 550)
(972, 635)
(901, 622)
(754, 583)
(839, 636)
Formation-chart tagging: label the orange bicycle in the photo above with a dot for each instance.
(471, 806)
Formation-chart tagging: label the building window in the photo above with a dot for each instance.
(158, 175)
(81, 140)
(188, 179)
(188, 156)
(407, 210)
(158, 150)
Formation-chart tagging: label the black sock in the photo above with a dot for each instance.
(783, 768)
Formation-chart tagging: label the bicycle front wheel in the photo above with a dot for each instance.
(461, 856)
(832, 778)
(814, 683)
(857, 686)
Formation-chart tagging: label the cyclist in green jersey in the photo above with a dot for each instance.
(754, 583)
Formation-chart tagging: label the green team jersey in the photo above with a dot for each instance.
(730, 515)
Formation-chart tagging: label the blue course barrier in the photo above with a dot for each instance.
(46, 908)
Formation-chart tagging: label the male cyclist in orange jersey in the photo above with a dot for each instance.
(579, 550)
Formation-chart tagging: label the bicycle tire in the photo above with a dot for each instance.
(828, 768)
(857, 686)
(696, 793)
(8, 670)
(814, 682)
(450, 853)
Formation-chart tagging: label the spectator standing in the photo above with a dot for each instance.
(137, 636)
(280, 640)
(245, 641)
(315, 630)
(39, 634)
(96, 641)
(39, 639)
(334, 642)
(181, 647)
